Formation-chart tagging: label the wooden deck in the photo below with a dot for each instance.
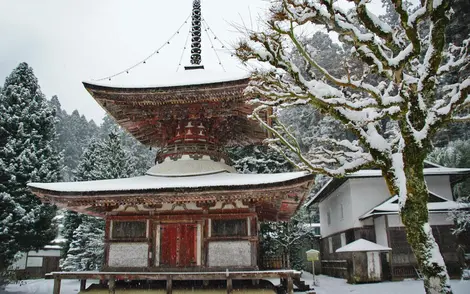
(169, 277)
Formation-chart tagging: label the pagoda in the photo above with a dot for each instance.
(191, 212)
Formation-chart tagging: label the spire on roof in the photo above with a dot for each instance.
(196, 32)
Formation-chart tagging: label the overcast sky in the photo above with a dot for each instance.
(67, 42)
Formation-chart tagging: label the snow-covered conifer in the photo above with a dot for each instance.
(103, 159)
(27, 154)
(86, 248)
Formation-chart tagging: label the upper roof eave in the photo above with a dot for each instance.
(151, 88)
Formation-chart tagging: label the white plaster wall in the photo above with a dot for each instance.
(435, 219)
(54, 252)
(367, 193)
(381, 231)
(359, 195)
(440, 185)
(34, 261)
(229, 253)
(333, 202)
(128, 255)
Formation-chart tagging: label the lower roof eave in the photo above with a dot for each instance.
(380, 213)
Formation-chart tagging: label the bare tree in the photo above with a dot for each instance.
(395, 79)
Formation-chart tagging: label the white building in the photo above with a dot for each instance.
(360, 206)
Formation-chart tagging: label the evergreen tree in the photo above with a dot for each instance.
(27, 154)
(85, 171)
(103, 159)
(86, 249)
(258, 159)
(142, 156)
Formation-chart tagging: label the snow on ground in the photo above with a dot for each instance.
(327, 285)
(41, 286)
(330, 285)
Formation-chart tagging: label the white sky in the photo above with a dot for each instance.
(67, 42)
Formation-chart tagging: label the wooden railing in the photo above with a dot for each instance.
(287, 275)
(335, 268)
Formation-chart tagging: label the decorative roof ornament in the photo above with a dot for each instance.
(196, 33)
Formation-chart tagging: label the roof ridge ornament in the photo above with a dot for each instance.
(196, 34)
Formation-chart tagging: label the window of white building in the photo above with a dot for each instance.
(343, 239)
(330, 245)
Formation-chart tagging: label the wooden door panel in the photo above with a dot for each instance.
(188, 245)
(178, 245)
(168, 245)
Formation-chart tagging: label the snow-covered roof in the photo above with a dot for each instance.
(431, 169)
(362, 245)
(52, 247)
(366, 173)
(390, 206)
(147, 182)
(181, 78)
(189, 167)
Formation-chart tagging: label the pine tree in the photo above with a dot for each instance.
(27, 154)
(103, 159)
(258, 159)
(142, 156)
(86, 249)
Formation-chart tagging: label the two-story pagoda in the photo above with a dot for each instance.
(191, 212)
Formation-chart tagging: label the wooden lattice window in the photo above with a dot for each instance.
(129, 230)
(229, 228)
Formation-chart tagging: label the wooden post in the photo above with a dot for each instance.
(313, 273)
(82, 285)
(229, 286)
(290, 285)
(56, 285)
(169, 285)
(112, 286)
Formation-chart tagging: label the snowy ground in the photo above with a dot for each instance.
(41, 286)
(327, 285)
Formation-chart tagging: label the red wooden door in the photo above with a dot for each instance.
(178, 245)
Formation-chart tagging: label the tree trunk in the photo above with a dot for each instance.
(414, 215)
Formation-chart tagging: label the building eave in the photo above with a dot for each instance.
(286, 196)
(456, 174)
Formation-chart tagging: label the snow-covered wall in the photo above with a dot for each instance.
(359, 195)
(366, 194)
(229, 253)
(440, 185)
(332, 206)
(381, 231)
(128, 255)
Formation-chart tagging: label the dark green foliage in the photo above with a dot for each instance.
(289, 239)
(281, 240)
(74, 134)
(27, 154)
(258, 159)
(103, 159)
